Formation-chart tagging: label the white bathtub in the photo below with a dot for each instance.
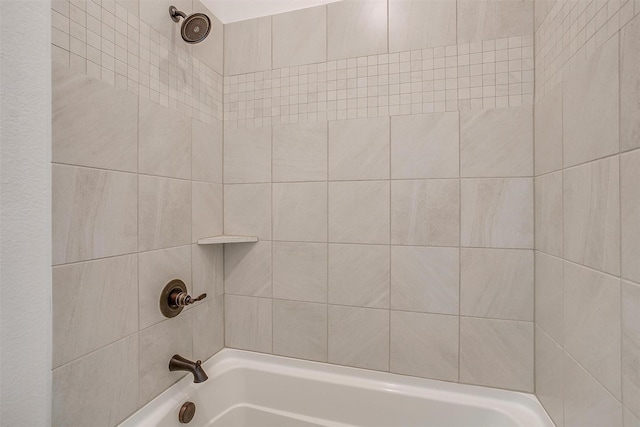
(257, 390)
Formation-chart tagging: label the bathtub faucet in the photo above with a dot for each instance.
(179, 363)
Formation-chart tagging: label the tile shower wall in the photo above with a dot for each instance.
(587, 192)
(383, 154)
(137, 179)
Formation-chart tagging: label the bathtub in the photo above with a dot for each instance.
(248, 389)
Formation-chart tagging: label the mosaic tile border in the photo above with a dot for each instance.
(105, 41)
(489, 74)
(575, 29)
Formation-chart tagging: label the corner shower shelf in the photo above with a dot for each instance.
(217, 240)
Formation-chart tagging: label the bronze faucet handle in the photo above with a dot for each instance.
(200, 298)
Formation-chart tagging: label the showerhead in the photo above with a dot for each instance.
(195, 28)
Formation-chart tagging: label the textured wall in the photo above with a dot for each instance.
(383, 154)
(25, 214)
(587, 163)
(137, 180)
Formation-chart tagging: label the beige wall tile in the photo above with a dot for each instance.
(300, 330)
(207, 265)
(155, 12)
(359, 337)
(359, 212)
(247, 155)
(630, 214)
(164, 213)
(425, 212)
(89, 310)
(425, 279)
(248, 269)
(156, 269)
(105, 137)
(248, 323)
(300, 211)
(493, 19)
(425, 345)
(548, 214)
(425, 146)
(359, 149)
(590, 107)
(592, 323)
(94, 213)
(586, 402)
(300, 271)
(165, 141)
(630, 85)
(300, 152)
(496, 142)
(157, 345)
(356, 28)
(206, 210)
(98, 389)
(549, 358)
(497, 213)
(497, 283)
(415, 24)
(247, 210)
(548, 132)
(629, 418)
(592, 215)
(206, 152)
(211, 50)
(359, 275)
(300, 37)
(496, 353)
(549, 289)
(247, 46)
(208, 328)
(631, 346)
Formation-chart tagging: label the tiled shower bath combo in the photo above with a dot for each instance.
(444, 194)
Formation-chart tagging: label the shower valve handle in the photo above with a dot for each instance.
(182, 299)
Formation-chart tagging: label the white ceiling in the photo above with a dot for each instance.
(240, 10)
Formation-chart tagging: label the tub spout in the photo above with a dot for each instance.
(179, 363)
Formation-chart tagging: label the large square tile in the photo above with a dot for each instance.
(497, 283)
(591, 107)
(94, 214)
(549, 358)
(592, 323)
(300, 152)
(497, 213)
(300, 37)
(164, 216)
(208, 328)
(496, 142)
(425, 212)
(300, 330)
(247, 210)
(425, 279)
(425, 146)
(247, 155)
(248, 323)
(359, 212)
(631, 346)
(359, 275)
(206, 210)
(300, 271)
(630, 214)
(548, 214)
(359, 149)
(592, 215)
(206, 151)
(248, 269)
(424, 345)
(356, 28)
(549, 300)
(480, 20)
(548, 132)
(496, 353)
(300, 211)
(417, 24)
(359, 337)
(630, 85)
(247, 46)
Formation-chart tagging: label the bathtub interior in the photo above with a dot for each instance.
(246, 390)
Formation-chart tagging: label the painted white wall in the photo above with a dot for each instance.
(25, 213)
(229, 11)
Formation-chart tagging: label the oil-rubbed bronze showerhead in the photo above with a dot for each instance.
(195, 27)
